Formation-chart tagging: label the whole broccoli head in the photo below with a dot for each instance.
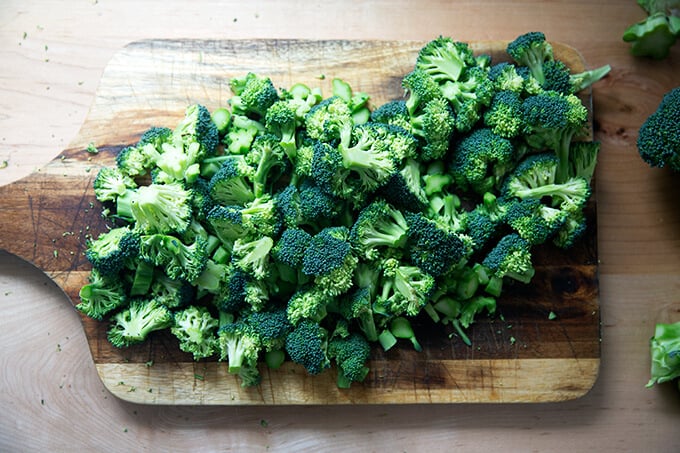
(659, 138)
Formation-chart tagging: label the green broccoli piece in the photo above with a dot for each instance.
(393, 113)
(553, 120)
(326, 119)
(534, 221)
(511, 257)
(484, 222)
(173, 293)
(435, 125)
(196, 329)
(240, 134)
(179, 260)
(110, 183)
(481, 160)
(359, 307)
(138, 160)
(177, 164)
(252, 256)
(399, 327)
(665, 353)
(573, 229)
(329, 260)
(222, 118)
(583, 159)
(504, 115)
(420, 88)
(351, 355)
(101, 295)
(239, 344)
(655, 35)
(307, 205)
(469, 96)
(271, 327)
(403, 289)
(659, 137)
(110, 251)
(160, 208)
(404, 189)
(156, 136)
(505, 77)
(197, 127)
(253, 95)
(444, 59)
(376, 226)
(531, 50)
(281, 120)
(231, 184)
(432, 248)
(307, 345)
(134, 324)
(291, 246)
(268, 160)
(309, 302)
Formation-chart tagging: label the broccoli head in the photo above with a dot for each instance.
(659, 137)
(195, 328)
(133, 324)
(307, 345)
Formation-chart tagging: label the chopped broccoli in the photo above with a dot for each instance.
(252, 256)
(505, 77)
(351, 355)
(531, 50)
(481, 160)
(101, 295)
(444, 59)
(266, 156)
(403, 289)
(435, 124)
(421, 88)
(309, 302)
(281, 119)
(534, 221)
(271, 327)
(659, 137)
(134, 324)
(240, 134)
(291, 246)
(583, 159)
(239, 344)
(179, 260)
(432, 248)
(195, 328)
(109, 252)
(330, 261)
(307, 345)
(404, 188)
(655, 35)
(393, 113)
(504, 115)
(253, 95)
(326, 119)
(664, 349)
(110, 183)
(161, 208)
(197, 127)
(378, 225)
(231, 184)
(511, 257)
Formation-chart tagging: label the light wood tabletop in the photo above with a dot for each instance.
(51, 397)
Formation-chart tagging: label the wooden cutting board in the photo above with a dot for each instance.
(520, 355)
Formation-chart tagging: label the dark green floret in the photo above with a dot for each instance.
(531, 50)
(659, 137)
(307, 345)
(253, 95)
(351, 355)
(133, 324)
(196, 329)
(110, 251)
(511, 258)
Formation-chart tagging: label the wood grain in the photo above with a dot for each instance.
(524, 357)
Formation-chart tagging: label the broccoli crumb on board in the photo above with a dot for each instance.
(291, 226)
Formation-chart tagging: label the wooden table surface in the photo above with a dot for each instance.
(53, 54)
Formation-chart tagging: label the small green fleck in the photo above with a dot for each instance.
(199, 377)
(264, 423)
(4, 164)
(322, 76)
(512, 340)
(55, 253)
(58, 347)
(552, 315)
(46, 47)
(80, 83)
(149, 363)
(125, 430)
(235, 19)
(42, 402)
(91, 148)
(25, 35)
(121, 383)
(132, 388)
(150, 390)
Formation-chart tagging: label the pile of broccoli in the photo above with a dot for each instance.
(292, 226)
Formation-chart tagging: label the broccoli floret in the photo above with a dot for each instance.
(481, 160)
(504, 115)
(268, 160)
(404, 188)
(253, 95)
(432, 248)
(109, 252)
(444, 59)
(252, 256)
(101, 295)
(659, 138)
(359, 307)
(403, 289)
(134, 324)
(393, 113)
(469, 96)
(376, 226)
(173, 293)
(307, 345)
(505, 77)
(110, 183)
(197, 128)
(326, 119)
(351, 355)
(531, 50)
(435, 124)
(290, 247)
(260, 216)
(511, 258)
(536, 177)
(156, 136)
(484, 221)
(227, 223)
(552, 121)
(161, 208)
(195, 328)
(138, 160)
(330, 261)
(271, 327)
(241, 133)
(583, 159)
(534, 221)
(179, 260)
(231, 184)
(572, 229)
(178, 163)
(309, 302)
(420, 88)
(239, 344)
(656, 34)
(281, 120)
(664, 348)
(558, 77)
